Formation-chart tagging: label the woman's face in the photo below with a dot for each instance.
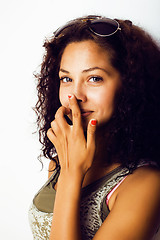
(86, 72)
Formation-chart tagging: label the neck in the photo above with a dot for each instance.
(103, 162)
(101, 153)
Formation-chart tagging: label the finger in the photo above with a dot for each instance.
(55, 128)
(51, 135)
(60, 116)
(76, 113)
(91, 134)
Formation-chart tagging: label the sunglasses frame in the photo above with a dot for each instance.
(106, 21)
(90, 20)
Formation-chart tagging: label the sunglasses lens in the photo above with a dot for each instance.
(104, 27)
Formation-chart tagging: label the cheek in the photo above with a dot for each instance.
(63, 97)
(105, 102)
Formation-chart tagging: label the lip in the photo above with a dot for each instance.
(85, 113)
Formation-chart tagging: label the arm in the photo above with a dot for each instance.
(75, 157)
(65, 223)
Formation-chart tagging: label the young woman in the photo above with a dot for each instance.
(98, 117)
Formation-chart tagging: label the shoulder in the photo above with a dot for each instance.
(146, 177)
(136, 207)
(139, 199)
(144, 181)
(147, 172)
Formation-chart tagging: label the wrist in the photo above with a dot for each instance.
(70, 177)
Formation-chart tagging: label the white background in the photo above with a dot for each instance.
(24, 24)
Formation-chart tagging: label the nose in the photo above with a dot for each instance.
(79, 91)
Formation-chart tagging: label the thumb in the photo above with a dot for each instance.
(91, 133)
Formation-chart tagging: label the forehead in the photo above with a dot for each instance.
(86, 52)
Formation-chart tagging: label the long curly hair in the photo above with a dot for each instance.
(133, 130)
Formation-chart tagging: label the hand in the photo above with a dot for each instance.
(75, 153)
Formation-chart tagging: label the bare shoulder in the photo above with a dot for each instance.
(144, 179)
(143, 183)
(136, 208)
(147, 178)
(139, 197)
(148, 171)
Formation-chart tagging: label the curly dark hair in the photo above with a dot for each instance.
(134, 131)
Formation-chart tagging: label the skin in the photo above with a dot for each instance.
(94, 83)
(94, 98)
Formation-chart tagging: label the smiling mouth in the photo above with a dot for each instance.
(85, 113)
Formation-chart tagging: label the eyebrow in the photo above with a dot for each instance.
(87, 70)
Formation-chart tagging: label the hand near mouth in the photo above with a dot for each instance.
(75, 153)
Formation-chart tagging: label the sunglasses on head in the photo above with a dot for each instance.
(103, 27)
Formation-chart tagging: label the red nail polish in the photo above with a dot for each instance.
(93, 122)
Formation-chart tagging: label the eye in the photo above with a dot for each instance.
(95, 79)
(65, 79)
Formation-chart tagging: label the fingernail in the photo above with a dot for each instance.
(93, 122)
(70, 96)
